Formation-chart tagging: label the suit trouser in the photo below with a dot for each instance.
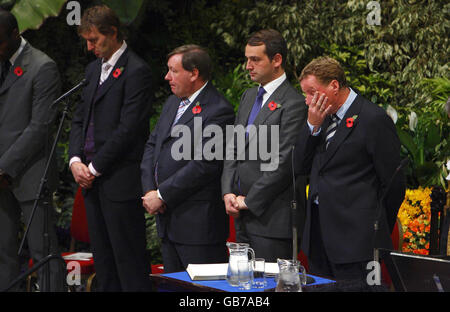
(10, 217)
(118, 242)
(318, 260)
(176, 257)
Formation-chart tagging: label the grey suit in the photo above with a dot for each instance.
(267, 223)
(26, 95)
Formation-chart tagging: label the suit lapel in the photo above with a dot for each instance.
(169, 117)
(188, 115)
(90, 91)
(342, 131)
(114, 76)
(265, 112)
(247, 106)
(18, 69)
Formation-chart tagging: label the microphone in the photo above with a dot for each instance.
(380, 205)
(402, 164)
(79, 85)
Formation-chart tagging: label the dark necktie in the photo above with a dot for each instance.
(331, 130)
(5, 69)
(256, 107)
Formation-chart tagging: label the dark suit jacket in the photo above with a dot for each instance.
(191, 188)
(26, 115)
(268, 193)
(121, 112)
(349, 177)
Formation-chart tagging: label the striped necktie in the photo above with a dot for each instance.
(104, 73)
(181, 108)
(331, 130)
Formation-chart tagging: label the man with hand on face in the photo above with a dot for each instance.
(29, 83)
(184, 194)
(260, 200)
(107, 141)
(351, 150)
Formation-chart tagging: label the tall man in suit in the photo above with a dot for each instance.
(107, 141)
(351, 150)
(260, 199)
(185, 193)
(29, 85)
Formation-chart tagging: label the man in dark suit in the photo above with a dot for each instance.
(351, 150)
(107, 141)
(29, 85)
(259, 197)
(184, 192)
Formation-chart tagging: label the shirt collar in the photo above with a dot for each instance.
(16, 54)
(196, 93)
(273, 85)
(348, 102)
(116, 55)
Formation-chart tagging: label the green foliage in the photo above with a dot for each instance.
(31, 14)
(371, 84)
(126, 10)
(426, 142)
(153, 241)
(233, 84)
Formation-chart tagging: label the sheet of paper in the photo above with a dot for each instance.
(79, 256)
(210, 271)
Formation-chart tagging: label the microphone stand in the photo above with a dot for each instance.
(39, 196)
(376, 225)
(294, 212)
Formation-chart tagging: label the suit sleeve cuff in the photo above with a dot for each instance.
(159, 195)
(93, 171)
(311, 128)
(74, 159)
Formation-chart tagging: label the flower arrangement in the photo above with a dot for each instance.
(415, 216)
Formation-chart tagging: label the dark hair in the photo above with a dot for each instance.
(103, 18)
(8, 21)
(273, 41)
(194, 56)
(325, 69)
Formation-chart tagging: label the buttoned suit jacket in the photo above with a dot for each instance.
(268, 193)
(190, 187)
(26, 116)
(349, 178)
(121, 108)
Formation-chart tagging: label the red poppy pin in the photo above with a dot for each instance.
(196, 109)
(273, 106)
(117, 72)
(351, 120)
(18, 71)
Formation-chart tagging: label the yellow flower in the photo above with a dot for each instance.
(414, 215)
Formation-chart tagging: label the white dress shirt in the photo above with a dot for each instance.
(271, 87)
(16, 54)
